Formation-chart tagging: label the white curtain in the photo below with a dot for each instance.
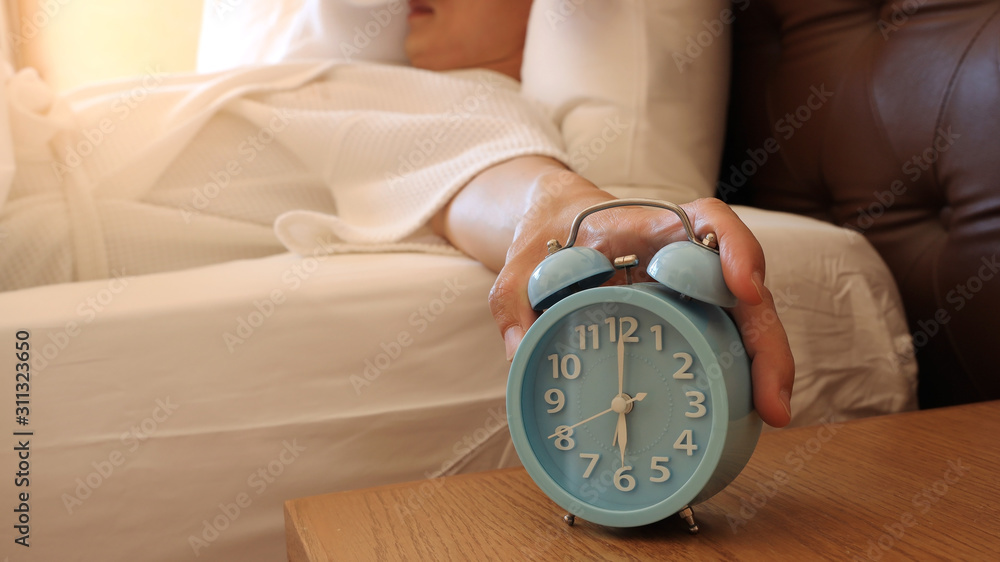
(8, 14)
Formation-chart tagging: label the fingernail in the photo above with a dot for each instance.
(511, 339)
(758, 283)
(786, 401)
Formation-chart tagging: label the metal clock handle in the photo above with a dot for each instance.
(710, 239)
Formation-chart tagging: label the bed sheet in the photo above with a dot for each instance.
(174, 413)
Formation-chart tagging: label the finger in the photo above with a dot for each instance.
(772, 366)
(741, 254)
(510, 307)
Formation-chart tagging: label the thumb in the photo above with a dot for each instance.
(510, 307)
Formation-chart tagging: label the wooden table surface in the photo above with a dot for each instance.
(914, 486)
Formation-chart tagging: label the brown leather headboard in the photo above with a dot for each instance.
(884, 117)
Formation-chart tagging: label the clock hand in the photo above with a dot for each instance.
(557, 433)
(622, 433)
(638, 398)
(620, 426)
(621, 360)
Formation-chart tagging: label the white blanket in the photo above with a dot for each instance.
(170, 172)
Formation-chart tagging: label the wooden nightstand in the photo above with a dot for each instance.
(910, 486)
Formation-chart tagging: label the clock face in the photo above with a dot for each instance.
(619, 411)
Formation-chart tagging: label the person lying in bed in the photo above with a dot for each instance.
(546, 196)
(342, 129)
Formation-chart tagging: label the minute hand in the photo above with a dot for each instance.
(638, 398)
(621, 361)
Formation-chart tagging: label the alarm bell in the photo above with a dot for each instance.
(693, 271)
(690, 267)
(565, 272)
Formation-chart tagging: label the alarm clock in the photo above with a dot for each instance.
(629, 403)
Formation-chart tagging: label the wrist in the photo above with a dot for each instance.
(557, 197)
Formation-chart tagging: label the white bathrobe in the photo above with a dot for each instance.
(167, 172)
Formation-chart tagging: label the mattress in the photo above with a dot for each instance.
(172, 414)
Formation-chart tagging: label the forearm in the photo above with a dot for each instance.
(481, 220)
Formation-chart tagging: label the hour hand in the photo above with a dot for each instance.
(621, 435)
(623, 407)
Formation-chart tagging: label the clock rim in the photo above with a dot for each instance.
(662, 302)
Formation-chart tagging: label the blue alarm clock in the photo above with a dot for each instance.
(627, 404)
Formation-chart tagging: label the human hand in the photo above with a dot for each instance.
(643, 231)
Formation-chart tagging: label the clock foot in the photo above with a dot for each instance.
(569, 518)
(687, 514)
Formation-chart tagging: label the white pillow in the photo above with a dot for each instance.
(638, 106)
(637, 87)
(243, 32)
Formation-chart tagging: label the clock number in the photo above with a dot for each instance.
(683, 373)
(664, 471)
(564, 438)
(658, 336)
(569, 366)
(686, 442)
(556, 399)
(624, 482)
(594, 337)
(696, 400)
(627, 336)
(633, 324)
(594, 457)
